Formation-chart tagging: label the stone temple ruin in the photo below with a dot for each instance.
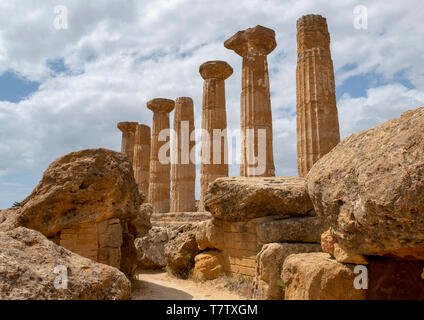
(257, 225)
(356, 209)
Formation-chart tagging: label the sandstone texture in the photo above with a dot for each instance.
(370, 188)
(209, 235)
(316, 110)
(269, 264)
(141, 160)
(183, 173)
(241, 198)
(305, 229)
(181, 248)
(214, 151)
(151, 248)
(208, 265)
(160, 172)
(140, 225)
(85, 202)
(254, 45)
(27, 262)
(128, 138)
(80, 187)
(316, 276)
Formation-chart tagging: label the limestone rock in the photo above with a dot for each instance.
(181, 248)
(316, 276)
(27, 267)
(370, 188)
(327, 242)
(83, 186)
(241, 198)
(209, 236)
(208, 265)
(307, 229)
(140, 225)
(269, 262)
(151, 248)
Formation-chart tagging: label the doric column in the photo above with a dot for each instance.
(159, 187)
(183, 173)
(141, 162)
(128, 136)
(253, 45)
(214, 118)
(317, 118)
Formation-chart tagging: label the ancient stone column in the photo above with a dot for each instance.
(183, 172)
(214, 117)
(128, 138)
(253, 45)
(159, 186)
(317, 118)
(141, 162)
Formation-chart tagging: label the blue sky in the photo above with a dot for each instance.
(65, 90)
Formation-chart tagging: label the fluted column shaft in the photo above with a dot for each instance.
(159, 188)
(317, 117)
(183, 172)
(128, 138)
(214, 151)
(141, 162)
(253, 45)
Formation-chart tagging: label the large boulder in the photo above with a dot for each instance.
(370, 188)
(27, 271)
(83, 186)
(305, 229)
(244, 198)
(316, 276)
(208, 265)
(269, 263)
(181, 249)
(151, 248)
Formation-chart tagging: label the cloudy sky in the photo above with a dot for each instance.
(63, 90)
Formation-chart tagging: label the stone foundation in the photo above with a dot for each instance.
(99, 242)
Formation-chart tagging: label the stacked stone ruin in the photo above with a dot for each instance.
(254, 225)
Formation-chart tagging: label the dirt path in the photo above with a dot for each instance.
(162, 286)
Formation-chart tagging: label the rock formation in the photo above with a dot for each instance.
(241, 198)
(128, 138)
(208, 265)
(84, 202)
(317, 118)
(141, 161)
(249, 213)
(181, 249)
(269, 265)
(27, 264)
(183, 165)
(370, 188)
(159, 181)
(315, 276)
(253, 45)
(214, 117)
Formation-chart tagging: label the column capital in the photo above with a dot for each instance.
(215, 69)
(312, 32)
(161, 105)
(127, 126)
(259, 39)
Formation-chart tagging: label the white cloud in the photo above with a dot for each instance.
(122, 53)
